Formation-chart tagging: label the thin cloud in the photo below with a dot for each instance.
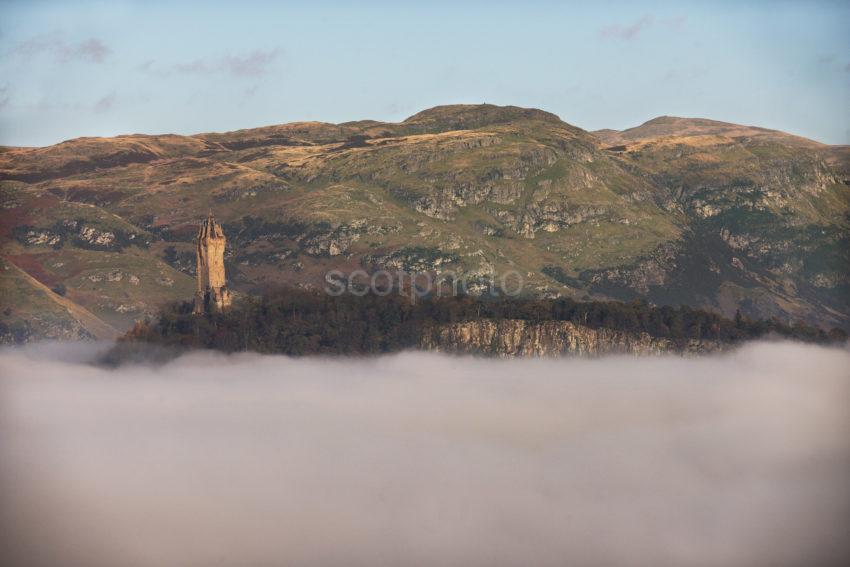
(634, 30)
(196, 67)
(626, 32)
(146, 66)
(256, 63)
(91, 50)
(4, 97)
(104, 104)
(675, 23)
(686, 73)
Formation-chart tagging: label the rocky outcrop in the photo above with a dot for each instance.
(333, 242)
(515, 337)
(411, 260)
(651, 270)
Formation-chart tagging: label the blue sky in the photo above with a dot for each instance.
(95, 69)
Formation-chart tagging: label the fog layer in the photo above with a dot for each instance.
(421, 459)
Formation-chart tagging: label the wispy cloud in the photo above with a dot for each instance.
(198, 66)
(55, 44)
(686, 73)
(104, 104)
(91, 49)
(146, 66)
(675, 23)
(252, 65)
(626, 32)
(632, 31)
(4, 97)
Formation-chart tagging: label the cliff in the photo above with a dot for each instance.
(516, 337)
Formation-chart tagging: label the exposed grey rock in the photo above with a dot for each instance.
(520, 338)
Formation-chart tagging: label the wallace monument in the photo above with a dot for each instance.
(212, 293)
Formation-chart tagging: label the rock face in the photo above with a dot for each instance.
(212, 293)
(519, 338)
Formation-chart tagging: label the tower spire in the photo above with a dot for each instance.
(212, 293)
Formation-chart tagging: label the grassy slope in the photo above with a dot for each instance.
(45, 312)
(478, 186)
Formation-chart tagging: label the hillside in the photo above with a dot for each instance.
(674, 126)
(39, 312)
(677, 211)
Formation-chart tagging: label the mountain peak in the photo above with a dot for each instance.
(471, 116)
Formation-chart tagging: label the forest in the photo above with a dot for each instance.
(300, 322)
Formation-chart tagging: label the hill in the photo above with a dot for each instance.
(674, 126)
(676, 211)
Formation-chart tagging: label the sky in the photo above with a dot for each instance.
(75, 69)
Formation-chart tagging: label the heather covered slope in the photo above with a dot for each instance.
(703, 213)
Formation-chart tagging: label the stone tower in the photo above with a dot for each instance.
(212, 293)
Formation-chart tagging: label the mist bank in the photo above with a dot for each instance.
(425, 459)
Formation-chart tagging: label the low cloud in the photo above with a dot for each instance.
(55, 44)
(423, 459)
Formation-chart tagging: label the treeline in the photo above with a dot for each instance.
(298, 322)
